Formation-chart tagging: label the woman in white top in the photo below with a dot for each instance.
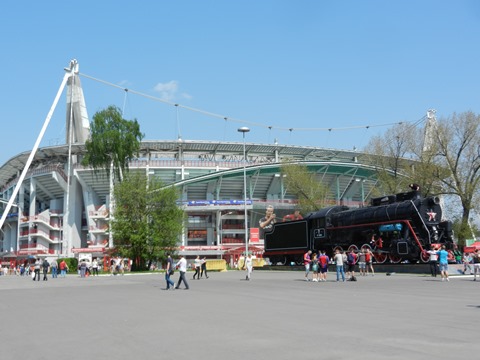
(433, 259)
(197, 264)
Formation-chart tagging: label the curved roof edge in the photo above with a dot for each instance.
(188, 149)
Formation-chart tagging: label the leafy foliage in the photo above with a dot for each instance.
(389, 154)
(113, 140)
(147, 220)
(447, 162)
(458, 153)
(72, 264)
(310, 192)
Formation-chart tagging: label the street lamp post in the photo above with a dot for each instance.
(244, 130)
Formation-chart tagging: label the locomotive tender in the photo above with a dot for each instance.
(395, 227)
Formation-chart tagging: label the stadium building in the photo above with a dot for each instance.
(53, 206)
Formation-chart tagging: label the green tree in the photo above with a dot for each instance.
(113, 141)
(444, 161)
(389, 155)
(147, 220)
(457, 150)
(310, 192)
(400, 158)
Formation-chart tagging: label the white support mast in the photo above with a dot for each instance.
(430, 129)
(69, 72)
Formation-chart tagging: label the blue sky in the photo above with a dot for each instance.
(282, 64)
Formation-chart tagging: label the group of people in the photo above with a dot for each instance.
(44, 266)
(117, 266)
(318, 264)
(348, 260)
(200, 266)
(345, 263)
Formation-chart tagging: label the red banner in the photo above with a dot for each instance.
(254, 235)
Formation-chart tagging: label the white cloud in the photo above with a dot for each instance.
(167, 90)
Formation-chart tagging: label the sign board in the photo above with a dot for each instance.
(319, 233)
(254, 235)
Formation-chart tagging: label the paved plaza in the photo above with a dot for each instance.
(276, 315)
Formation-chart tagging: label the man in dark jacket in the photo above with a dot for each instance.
(45, 266)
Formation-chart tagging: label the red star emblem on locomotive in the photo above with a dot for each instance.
(431, 215)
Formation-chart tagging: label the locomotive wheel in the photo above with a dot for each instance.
(298, 259)
(339, 248)
(366, 246)
(279, 260)
(424, 257)
(380, 258)
(394, 259)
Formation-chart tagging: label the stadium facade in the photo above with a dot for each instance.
(62, 208)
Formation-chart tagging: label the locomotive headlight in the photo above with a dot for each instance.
(434, 200)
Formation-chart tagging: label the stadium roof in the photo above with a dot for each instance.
(203, 167)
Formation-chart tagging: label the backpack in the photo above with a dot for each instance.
(323, 260)
(351, 259)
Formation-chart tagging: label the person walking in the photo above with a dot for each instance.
(121, 266)
(54, 267)
(248, 266)
(63, 268)
(476, 264)
(306, 263)
(467, 263)
(443, 263)
(83, 268)
(182, 267)
(45, 265)
(37, 266)
(338, 259)
(197, 264)
(204, 267)
(169, 272)
(95, 267)
(433, 260)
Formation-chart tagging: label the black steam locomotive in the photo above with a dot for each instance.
(395, 228)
